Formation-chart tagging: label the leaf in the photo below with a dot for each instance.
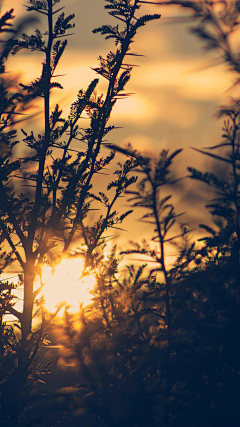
(223, 159)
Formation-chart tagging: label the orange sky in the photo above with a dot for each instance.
(175, 95)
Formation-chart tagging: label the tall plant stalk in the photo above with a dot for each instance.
(61, 195)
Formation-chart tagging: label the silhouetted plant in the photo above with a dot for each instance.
(211, 292)
(138, 332)
(159, 345)
(192, 321)
(54, 208)
(151, 195)
(9, 104)
(115, 352)
(216, 23)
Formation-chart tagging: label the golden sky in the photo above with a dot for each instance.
(175, 94)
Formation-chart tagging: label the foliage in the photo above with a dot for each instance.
(133, 314)
(215, 287)
(195, 377)
(216, 24)
(46, 194)
(159, 345)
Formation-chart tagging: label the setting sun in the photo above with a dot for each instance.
(64, 284)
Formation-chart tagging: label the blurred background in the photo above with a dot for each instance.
(176, 92)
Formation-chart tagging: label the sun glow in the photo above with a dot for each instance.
(64, 284)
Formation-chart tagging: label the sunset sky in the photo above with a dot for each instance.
(175, 96)
(109, 319)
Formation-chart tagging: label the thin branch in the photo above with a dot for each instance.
(9, 240)
(14, 312)
(11, 216)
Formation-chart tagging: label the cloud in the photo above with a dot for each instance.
(180, 75)
(135, 109)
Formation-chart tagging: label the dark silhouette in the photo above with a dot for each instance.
(58, 181)
(159, 345)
